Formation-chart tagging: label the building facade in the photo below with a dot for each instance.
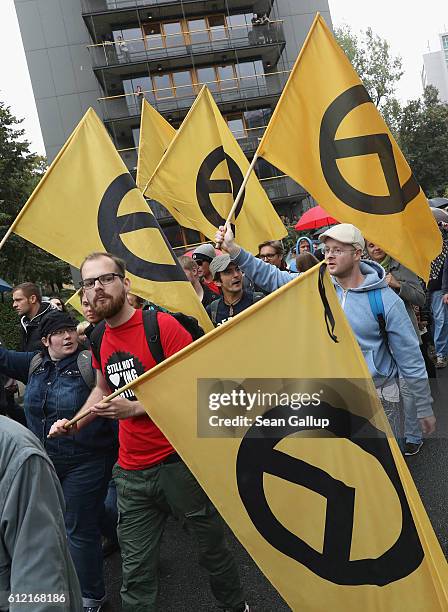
(108, 54)
(435, 68)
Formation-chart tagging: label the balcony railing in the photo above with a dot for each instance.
(171, 99)
(143, 49)
(100, 6)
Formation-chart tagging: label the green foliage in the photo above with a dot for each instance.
(20, 171)
(423, 137)
(371, 57)
(9, 324)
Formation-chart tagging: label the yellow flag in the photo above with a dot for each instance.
(87, 201)
(305, 475)
(328, 136)
(200, 174)
(155, 136)
(74, 302)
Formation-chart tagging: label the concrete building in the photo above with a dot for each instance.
(108, 53)
(435, 68)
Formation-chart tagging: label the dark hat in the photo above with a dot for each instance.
(55, 321)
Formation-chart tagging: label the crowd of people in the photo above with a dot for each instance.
(112, 478)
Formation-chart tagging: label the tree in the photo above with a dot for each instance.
(423, 137)
(20, 171)
(371, 57)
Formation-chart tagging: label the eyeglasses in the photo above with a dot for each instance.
(104, 279)
(268, 256)
(336, 251)
(62, 332)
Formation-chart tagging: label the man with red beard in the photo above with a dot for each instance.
(150, 476)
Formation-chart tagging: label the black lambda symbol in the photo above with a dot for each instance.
(206, 186)
(257, 456)
(111, 227)
(380, 144)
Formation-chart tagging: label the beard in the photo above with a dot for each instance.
(110, 308)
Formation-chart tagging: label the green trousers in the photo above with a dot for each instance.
(145, 498)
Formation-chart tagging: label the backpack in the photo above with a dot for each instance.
(83, 361)
(256, 297)
(377, 307)
(152, 333)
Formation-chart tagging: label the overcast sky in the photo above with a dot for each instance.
(408, 30)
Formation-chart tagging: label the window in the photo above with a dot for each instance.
(153, 35)
(183, 84)
(208, 76)
(226, 76)
(197, 29)
(251, 74)
(131, 86)
(173, 34)
(162, 86)
(136, 136)
(257, 118)
(236, 125)
(217, 27)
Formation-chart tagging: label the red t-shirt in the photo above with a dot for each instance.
(125, 356)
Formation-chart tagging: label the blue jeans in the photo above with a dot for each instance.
(84, 484)
(439, 312)
(412, 429)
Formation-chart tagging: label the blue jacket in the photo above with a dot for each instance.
(407, 360)
(56, 390)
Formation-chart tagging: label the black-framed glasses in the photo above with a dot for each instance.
(103, 279)
(268, 255)
(62, 332)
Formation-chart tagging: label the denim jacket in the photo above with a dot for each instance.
(56, 390)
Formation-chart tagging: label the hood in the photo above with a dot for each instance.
(375, 276)
(310, 242)
(44, 308)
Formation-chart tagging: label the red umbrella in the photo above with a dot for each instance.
(313, 218)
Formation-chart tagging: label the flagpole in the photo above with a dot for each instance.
(238, 195)
(7, 235)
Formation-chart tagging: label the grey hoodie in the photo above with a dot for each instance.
(34, 556)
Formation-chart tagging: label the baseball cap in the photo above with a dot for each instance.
(219, 264)
(204, 252)
(346, 233)
(54, 321)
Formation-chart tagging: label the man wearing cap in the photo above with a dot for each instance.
(353, 278)
(203, 256)
(235, 298)
(56, 389)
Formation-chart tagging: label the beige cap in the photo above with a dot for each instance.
(219, 264)
(346, 233)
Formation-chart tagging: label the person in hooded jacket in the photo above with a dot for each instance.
(353, 278)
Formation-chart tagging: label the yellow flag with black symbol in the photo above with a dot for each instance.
(155, 136)
(298, 456)
(87, 201)
(327, 135)
(200, 174)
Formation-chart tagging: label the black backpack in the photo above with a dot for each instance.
(152, 333)
(83, 361)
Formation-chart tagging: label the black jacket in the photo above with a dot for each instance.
(31, 338)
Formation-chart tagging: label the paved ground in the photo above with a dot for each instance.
(183, 584)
